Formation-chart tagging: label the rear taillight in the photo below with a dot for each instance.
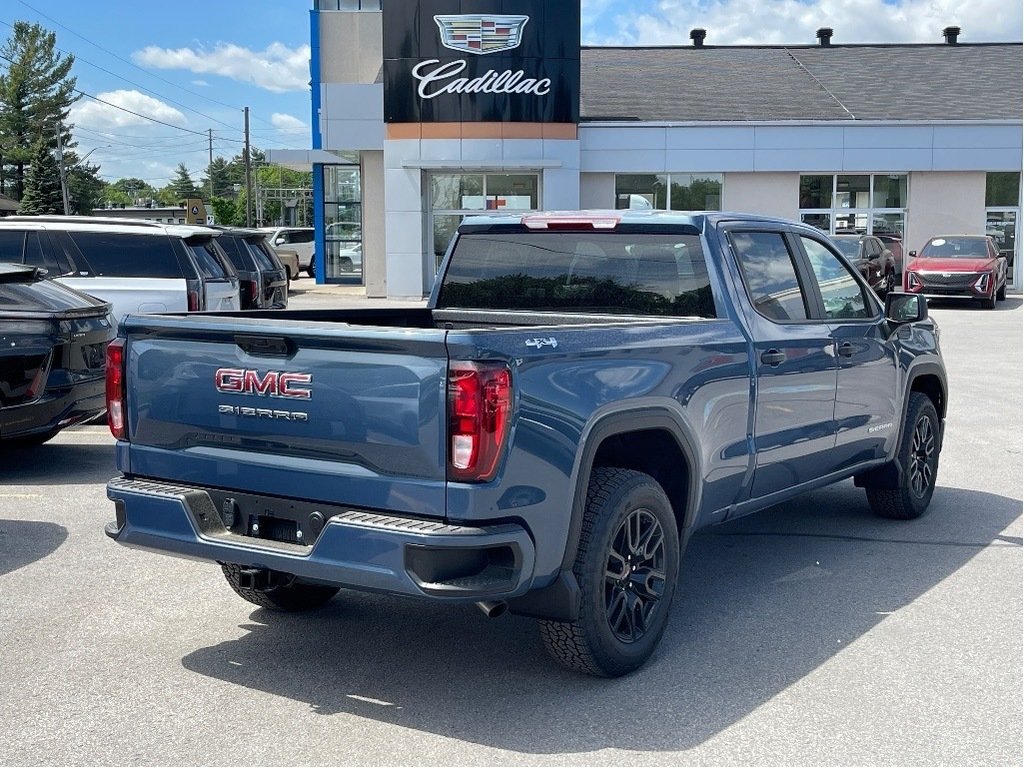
(195, 295)
(252, 288)
(115, 388)
(479, 411)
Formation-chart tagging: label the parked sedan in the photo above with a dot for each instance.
(870, 256)
(958, 266)
(53, 342)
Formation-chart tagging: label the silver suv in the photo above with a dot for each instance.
(139, 267)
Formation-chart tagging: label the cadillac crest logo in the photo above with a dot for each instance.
(480, 34)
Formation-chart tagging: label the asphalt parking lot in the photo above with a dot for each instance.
(813, 633)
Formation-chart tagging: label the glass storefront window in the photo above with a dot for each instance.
(856, 204)
(1002, 190)
(853, 192)
(816, 192)
(822, 221)
(641, 190)
(671, 191)
(454, 196)
(343, 223)
(890, 191)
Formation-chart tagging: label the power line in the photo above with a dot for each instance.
(136, 66)
(82, 59)
(127, 61)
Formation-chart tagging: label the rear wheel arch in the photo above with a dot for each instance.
(655, 441)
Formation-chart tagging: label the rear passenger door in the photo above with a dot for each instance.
(794, 359)
(868, 392)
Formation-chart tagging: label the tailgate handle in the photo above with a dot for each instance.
(268, 346)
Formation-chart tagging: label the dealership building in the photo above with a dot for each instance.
(424, 113)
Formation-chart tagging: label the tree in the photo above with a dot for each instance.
(225, 212)
(220, 172)
(182, 184)
(36, 91)
(42, 183)
(132, 189)
(85, 187)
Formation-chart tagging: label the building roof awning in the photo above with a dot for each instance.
(305, 159)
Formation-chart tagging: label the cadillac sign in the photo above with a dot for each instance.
(481, 34)
(494, 67)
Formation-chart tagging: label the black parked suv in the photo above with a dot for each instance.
(262, 277)
(53, 343)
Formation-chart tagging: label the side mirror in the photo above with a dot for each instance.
(279, 241)
(903, 308)
(913, 254)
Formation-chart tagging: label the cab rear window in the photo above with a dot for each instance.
(128, 255)
(592, 272)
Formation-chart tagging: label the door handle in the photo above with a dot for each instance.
(846, 349)
(773, 357)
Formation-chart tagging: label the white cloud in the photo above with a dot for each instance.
(768, 22)
(200, 83)
(287, 123)
(95, 114)
(276, 68)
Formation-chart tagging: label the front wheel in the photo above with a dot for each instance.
(1001, 293)
(626, 566)
(918, 458)
(284, 594)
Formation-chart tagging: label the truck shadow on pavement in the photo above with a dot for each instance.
(763, 602)
(67, 463)
(22, 542)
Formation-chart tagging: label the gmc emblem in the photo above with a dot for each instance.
(240, 381)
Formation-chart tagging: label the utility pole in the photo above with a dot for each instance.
(209, 168)
(62, 171)
(248, 174)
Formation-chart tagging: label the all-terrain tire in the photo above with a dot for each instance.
(292, 597)
(918, 458)
(627, 564)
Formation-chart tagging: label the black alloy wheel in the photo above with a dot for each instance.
(923, 457)
(635, 576)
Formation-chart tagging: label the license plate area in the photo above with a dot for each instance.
(276, 529)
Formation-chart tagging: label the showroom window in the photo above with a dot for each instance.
(1002, 214)
(343, 223)
(669, 191)
(453, 196)
(873, 204)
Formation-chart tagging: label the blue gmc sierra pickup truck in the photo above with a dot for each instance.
(582, 392)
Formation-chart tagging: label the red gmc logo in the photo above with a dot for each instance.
(240, 381)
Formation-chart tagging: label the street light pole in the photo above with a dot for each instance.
(62, 171)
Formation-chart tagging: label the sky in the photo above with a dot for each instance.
(186, 68)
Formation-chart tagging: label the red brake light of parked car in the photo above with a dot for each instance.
(479, 411)
(555, 221)
(115, 388)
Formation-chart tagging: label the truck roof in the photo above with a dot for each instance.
(608, 219)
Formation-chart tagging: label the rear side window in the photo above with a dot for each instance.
(206, 259)
(238, 257)
(299, 237)
(12, 245)
(39, 254)
(592, 272)
(257, 249)
(769, 273)
(128, 255)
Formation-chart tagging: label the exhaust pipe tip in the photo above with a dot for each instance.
(492, 608)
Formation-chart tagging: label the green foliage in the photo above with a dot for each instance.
(220, 171)
(85, 187)
(42, 184)
(182, 184)
(225, 212)
(36, 90)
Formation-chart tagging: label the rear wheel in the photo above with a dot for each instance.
(283, 594)
(918, 458)
(626, 566)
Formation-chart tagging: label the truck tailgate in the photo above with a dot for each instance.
(315, 411)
